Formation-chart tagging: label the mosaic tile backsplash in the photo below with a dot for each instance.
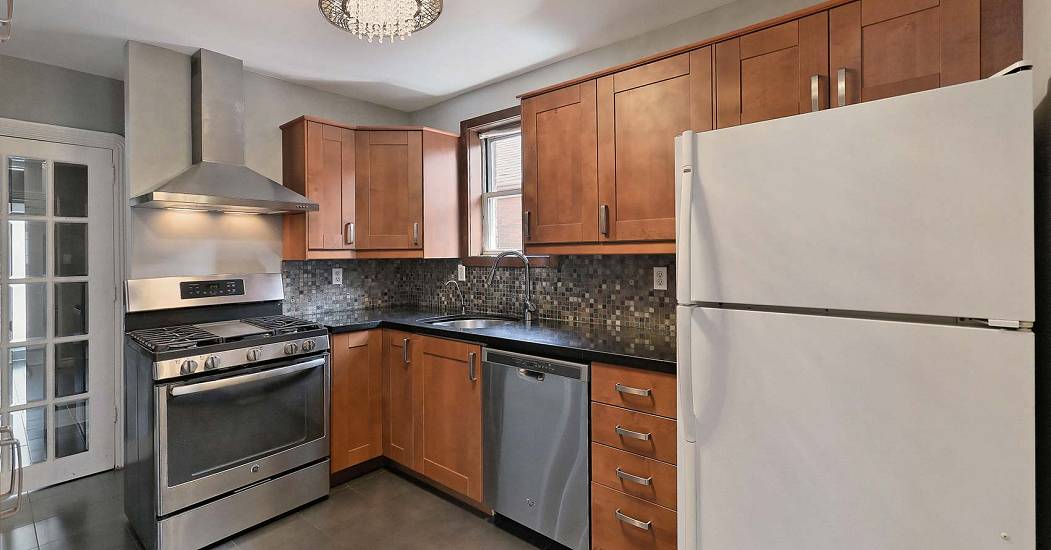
(611, 290)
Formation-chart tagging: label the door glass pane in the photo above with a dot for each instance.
(30, 427)
(71, 190)
(27, 374)
(71, 249)
(28, 250)
(71, 368)
(71, 428)
(71, 309)
(27, 190)
(27, 307)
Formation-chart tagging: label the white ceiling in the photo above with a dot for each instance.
(475, 42)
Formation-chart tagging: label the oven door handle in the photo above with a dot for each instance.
(188, 389)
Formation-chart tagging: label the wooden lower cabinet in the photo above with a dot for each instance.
(623, 522)
(356, 399)
(400, 351)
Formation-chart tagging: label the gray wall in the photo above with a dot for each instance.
(167, 243)
(37, 92)
(448, 114)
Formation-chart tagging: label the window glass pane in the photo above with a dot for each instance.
(71, 309)
(71, 428)
(71, 190)
(27, 189)
(71, 368)
(28, 242)
(27, 307)
(27, 374)
(30, 427)
(505, 223)
(71, 249)
(504, 165)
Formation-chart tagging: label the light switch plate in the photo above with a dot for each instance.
(337, 275)
(461, 273)
(660, 278)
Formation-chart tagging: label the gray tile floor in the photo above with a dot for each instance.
(378, 510)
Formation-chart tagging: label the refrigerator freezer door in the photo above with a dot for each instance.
(829, 433)
(920, 204)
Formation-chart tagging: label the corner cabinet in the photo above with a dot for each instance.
(357, 396)
(598, 152)
(384, 192)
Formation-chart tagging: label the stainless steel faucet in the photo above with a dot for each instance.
(528, 308)
(463, 302)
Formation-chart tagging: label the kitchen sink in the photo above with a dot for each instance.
(471, 322)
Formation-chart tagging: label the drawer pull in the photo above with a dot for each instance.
(634, 478)
(621, 388)
(633, 434)
(644, 525)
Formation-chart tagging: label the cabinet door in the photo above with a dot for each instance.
(389, 196)
(449, 413)
(330, 182)
(884, 48)
(640, 111)
(559, 186)
(770, 73)
(399, 363)
(357, 395)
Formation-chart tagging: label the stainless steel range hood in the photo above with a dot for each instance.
(218, 180)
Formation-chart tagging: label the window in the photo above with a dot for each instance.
(501, 189)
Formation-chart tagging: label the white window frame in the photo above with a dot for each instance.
(484, 139)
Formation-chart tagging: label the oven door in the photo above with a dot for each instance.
(222, 433)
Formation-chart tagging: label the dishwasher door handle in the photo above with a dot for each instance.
(624, 518)
(641, 436)
(634, 478)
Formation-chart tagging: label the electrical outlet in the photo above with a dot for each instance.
(461, 273)
(660, 278)
(337, 275)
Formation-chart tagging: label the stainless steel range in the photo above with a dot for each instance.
(227, 408)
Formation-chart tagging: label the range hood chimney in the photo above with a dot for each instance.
(219, 181)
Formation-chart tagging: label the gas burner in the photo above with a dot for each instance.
(174, 338)
(283, 324)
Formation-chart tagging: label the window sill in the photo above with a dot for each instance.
(510, 261)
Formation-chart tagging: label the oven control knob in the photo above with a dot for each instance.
(211, 362)
(252, 355)
(309, 345)
(291, 348)
(189, 366)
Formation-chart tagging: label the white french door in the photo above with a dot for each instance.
(58, 307)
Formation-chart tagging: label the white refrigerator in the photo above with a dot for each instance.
(855, 353)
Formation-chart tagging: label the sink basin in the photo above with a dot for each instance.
(469, 322)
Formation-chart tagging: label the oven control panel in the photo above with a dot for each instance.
(211, 289)
(229, 359)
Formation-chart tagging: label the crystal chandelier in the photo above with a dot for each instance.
(372, 19)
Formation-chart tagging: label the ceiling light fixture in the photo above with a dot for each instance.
(372, 19)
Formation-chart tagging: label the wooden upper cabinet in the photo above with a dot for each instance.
(389, 190)
(319, 163)
(771, 73)
(893, 47)
(400, 393)
(559, 186)
(357, 394)
(640, 111)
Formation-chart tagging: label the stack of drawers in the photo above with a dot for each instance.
(632, 459)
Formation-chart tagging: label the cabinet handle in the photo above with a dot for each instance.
(416, 233)
(603, 219)
(644, 525)
(348, 233)
(472, 373)
(634, 478)
(405, 351)
(525, 225)
(633, 434)
(815, 92)
(841, 87)
(621, 388)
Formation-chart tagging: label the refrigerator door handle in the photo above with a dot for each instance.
(684, 373)
(684, 194)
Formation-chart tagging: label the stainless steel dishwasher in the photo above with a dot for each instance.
(536, 444)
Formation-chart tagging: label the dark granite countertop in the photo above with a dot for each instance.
(569, 341)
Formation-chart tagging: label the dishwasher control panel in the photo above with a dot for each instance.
(577, 371)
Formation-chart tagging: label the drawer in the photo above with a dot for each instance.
(640, 433)
(621, 386)
(635, 475)
(610, 531)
